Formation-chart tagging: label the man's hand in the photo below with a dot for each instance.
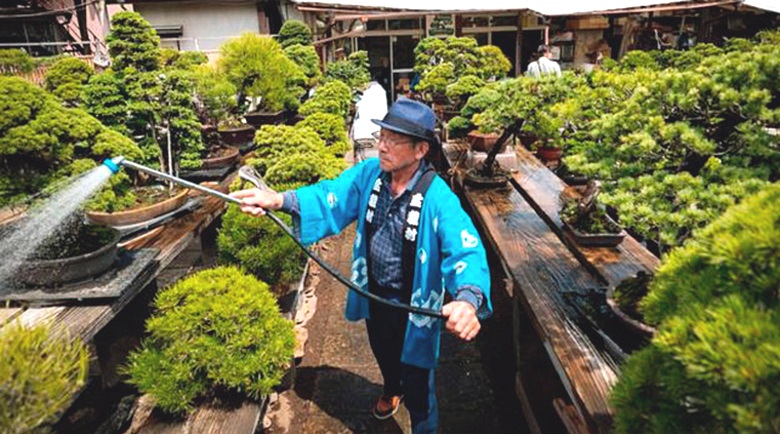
(461, 319)
(255, 201)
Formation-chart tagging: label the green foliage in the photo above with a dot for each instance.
(463, 89)
(176, 59)
(216, 94)
(39, 376)
(714, 365)
(638, 59)
(39, 138)
(133, 42)
(353, 71)
(295, 170)
(258, 67)
(177, 110)
(333, 97)
(458, 127)
(305, 56)
(442, 62)
(331, 129)
(218, 328)
(294, 32)
(66, 78)
(12, 59)
(103, 97)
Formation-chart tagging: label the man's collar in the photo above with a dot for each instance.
(385, 176)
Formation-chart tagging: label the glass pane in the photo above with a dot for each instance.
(412, 23)
(482, 38)
(476, 21)
(403, 51)
(375, 25)
(504, 20)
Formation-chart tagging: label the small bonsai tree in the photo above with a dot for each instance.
(217, 329)
(187, 60)
(458, 127)
(39, 376)
(353, 71)
(305, 56)
(217, 97)
(464, 88)
(294, 32)
(66, 78)
(713, 365)
(274, 141)
(258, 67)
(334, 97)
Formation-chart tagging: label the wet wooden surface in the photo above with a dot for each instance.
(522, 224)
(204, 420)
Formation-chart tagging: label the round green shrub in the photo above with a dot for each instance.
(295, 170)
(294, 32)
(331, 129)
(13, 58)
(274, 141)
(187, 60)
(216, 94)
(305, 56)
(333, 97)
(492, 64)
(39, 375)
(103, 97)
(217, 329)
(258, 67)
(463, 89)
(133, 42)
(714, 365)
(66, 78)
(458, 127)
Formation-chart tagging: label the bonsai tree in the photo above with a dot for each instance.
(187, 60)
(276, 141)
(218, 329)
(712, 367)
(585, 213)
(217, 97)
(257, 66)
(294, 32)
(305, 56)
(39, 376)
(66, 78)
(353, 71)
(133, 42)
(41, 141)
(333, 97)
(464, 88)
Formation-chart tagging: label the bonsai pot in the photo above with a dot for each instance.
(237, 136)
(95, 250)
(483, 142)
(260, 118)
(221, 157)
(595, 240)
(549, 154)
(527, 138)
(138, 215)
(634, 323)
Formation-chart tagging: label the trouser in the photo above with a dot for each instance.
(386, 330)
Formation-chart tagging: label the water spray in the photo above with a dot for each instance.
(248, 174)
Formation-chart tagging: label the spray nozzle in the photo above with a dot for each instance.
(113, 163)
(248, 173)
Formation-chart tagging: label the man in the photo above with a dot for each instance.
(543, 65)
(412, 241)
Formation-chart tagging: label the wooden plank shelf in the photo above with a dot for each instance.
(522, 224)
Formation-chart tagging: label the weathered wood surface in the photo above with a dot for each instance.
(544, 270)
(204, 420)
(542, 188)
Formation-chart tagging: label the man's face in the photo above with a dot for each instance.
(398, 151)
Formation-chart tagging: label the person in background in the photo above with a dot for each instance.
(543, 65)
(413, 242)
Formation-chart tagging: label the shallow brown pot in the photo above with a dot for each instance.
(549, 154)
(483, 142)
(226, 159)
(138, 215)
(636, 326)
(53, 272)
(258, 119)
(237, 136)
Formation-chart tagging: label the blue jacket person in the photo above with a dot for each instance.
(413, 241)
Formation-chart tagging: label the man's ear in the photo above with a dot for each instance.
(421, 149)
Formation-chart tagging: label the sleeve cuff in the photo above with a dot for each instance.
(471, 295)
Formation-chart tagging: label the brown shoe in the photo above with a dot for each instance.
(386, 406)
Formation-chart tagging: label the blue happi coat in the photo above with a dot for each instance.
(449, 251)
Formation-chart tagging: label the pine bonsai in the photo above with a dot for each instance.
(133, 43)
(39, 376)
(353, 71)
(714, 366)
(294, 32)
(305, 56)
(218, 329)
(332, 97)
(331, 129)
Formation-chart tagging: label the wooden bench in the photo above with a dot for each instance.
(521, 223)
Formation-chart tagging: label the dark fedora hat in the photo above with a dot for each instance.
(412, 118)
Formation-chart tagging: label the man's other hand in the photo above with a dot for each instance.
(255, 201)
(461, 319)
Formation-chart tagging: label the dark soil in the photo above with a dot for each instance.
(145, 196)
(77, 238)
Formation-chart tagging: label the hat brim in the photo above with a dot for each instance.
(397, 129)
